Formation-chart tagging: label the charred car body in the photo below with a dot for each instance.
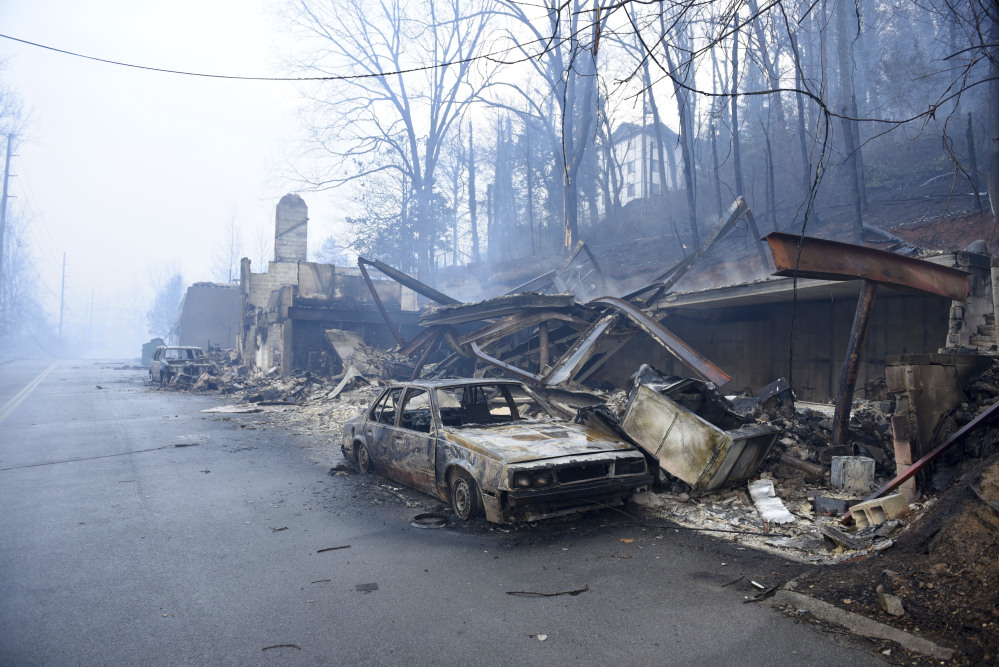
(491, 447)
(172, 361)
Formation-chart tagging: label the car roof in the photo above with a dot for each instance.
(178, 347)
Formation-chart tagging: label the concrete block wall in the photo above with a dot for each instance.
(926, 387)
(968, 318)
(260, 285)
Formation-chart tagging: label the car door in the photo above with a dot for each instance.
(154, 365)
(413, 444)
(380, 426)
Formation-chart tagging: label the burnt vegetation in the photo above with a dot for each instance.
(495, 132)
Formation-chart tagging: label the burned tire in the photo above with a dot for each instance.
(364, 463)
(465, 499)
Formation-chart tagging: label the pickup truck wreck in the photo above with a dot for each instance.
(491, 447)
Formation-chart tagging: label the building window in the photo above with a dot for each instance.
(631, 190)
(631, 167)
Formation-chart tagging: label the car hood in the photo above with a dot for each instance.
(533, 441)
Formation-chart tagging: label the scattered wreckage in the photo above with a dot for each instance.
(559, 336)
(492, 447)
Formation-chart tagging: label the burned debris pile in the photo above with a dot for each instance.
(627, 366)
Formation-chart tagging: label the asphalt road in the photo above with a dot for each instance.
(138, 530)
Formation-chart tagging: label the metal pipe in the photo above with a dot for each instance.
(914, 469)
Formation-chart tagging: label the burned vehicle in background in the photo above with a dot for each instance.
(171, 361)
(491, 447)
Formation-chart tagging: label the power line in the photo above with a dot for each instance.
(346, 77)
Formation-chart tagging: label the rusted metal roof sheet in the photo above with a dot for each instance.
(832, 260)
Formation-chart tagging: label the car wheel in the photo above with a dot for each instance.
(364, 463)
(164, 379)
(465, 499)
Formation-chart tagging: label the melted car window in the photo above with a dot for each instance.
(384, 410)
(487, 404)
(416, 414)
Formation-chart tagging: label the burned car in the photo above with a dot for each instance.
(172, 361)
(491, 447)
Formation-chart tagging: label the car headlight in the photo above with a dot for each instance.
(533, 479)
(629, 466)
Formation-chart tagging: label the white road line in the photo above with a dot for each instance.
(10, 405)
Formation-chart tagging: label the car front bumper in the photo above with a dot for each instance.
(537, 504)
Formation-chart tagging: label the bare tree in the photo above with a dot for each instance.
(401, 77)
(563, 56)
(227, 252)
(166, 305)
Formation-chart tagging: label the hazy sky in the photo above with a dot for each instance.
(133, 172)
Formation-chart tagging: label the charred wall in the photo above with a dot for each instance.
(752, 343)
(210, 315)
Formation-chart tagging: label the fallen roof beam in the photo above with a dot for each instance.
(704, 369)
(516, 322)
(499, 306)
(408, 281)
(405, 281)
(662, 283)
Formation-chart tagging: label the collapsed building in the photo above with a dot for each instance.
(840, 321)
(286, 310)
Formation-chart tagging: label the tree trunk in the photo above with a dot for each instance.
(714, 164)
(969, 136)
(476, 255)
(740, 188)
(850, 147)
(994, 117)
(657, 128)
(528, 170)
(806, 176)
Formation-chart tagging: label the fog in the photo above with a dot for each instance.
(136, 174)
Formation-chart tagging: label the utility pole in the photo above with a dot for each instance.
(3, 225)
(62, 295)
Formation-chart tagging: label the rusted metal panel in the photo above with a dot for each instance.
(691, 448)
(851, 366)
(832, 260)
(679, 349)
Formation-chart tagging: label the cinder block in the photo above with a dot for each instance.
(903, 452)
(879, 510)
(852, 474)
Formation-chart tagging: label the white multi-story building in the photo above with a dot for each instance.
(636, 151)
